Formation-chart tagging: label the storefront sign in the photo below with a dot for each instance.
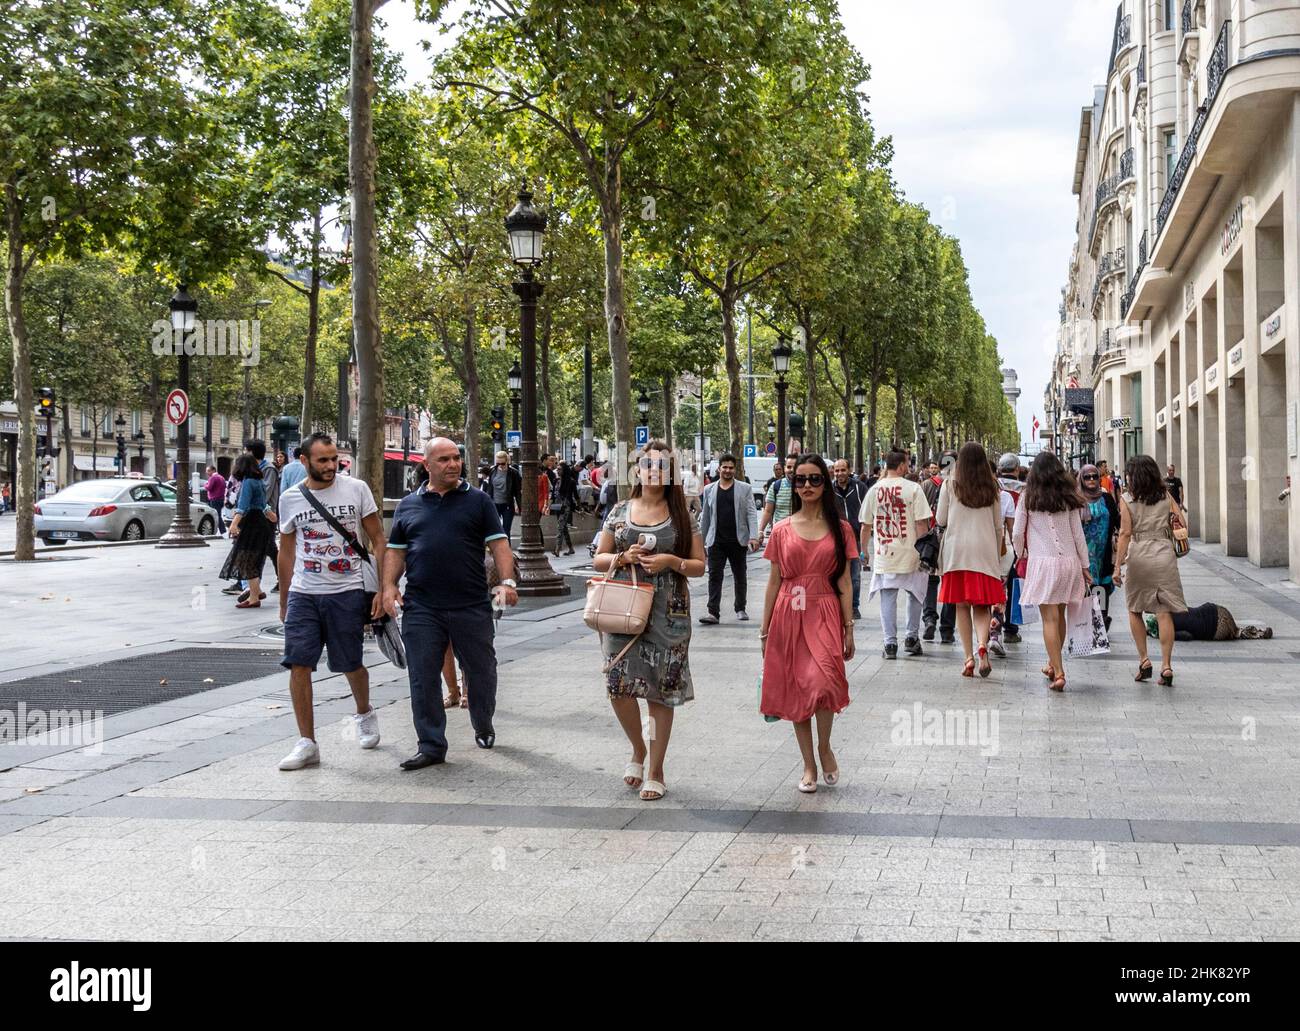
(1231, 229)
(1212, 378)
(1193, 393)
(1177, 406)
(1118, 424)
(9, 426)
(1160, 418)
(1271, 332)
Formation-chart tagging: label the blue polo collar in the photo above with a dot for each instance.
(424, 488)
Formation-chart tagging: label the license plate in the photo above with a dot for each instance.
(65, 535)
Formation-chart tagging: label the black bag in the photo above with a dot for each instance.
(928, 548)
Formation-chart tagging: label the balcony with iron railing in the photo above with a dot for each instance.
(1127, 165)
(1142, 68)
(1215, 68)
(1109, 352)
(1126, 302)
(1122, 38)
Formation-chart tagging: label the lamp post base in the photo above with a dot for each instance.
(181, 535)
(534, 574)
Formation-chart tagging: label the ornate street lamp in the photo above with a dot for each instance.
(781, 364)
(181, 534)
(120, 423)
(643, 406)
(515, 379)
(138, 437)
(859, 403)
(525, 226)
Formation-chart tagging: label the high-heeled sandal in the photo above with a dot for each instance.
(968, 670)
(1144, 671)
(1167, 677)
(986, 667)
(1048, 672)
(1058, 683)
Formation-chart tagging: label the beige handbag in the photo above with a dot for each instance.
(618, 607)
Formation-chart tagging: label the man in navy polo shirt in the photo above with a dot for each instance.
(437, 539)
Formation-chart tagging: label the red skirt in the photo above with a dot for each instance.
(963, 587)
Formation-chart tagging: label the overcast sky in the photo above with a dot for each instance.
(982, 101)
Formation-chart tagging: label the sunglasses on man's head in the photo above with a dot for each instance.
(810, 480)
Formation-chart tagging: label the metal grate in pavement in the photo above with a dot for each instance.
(125, 684)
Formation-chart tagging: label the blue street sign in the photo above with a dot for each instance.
(642, 436)
(771, 447)
(514, 439)
(751, 450)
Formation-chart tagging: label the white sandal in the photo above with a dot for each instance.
(652, 791)
(634, 771)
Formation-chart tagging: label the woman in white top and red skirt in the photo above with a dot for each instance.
(974, 539)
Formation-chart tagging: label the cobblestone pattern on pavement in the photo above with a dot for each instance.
(170, 832)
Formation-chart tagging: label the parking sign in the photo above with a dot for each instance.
(751, 450)
(642, 436)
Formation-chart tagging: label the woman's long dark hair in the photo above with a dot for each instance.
(830, 513)
(973, 482)
(568, 482)
(1050, 487)
(1143, 480)
(683, 529)
(246, 468)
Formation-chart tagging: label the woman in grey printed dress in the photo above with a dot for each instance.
(656, 667)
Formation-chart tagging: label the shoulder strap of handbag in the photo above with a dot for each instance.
(635, 637)
(343, 532)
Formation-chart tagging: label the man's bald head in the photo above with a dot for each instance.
(442, 460)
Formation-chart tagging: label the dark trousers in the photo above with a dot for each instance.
(425, 632)
(218, 505)
(719, 555)
(945, 616)
(562, 538)
(507, 514)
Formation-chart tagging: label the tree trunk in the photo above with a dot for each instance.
(899, 424)
(611, 217)
(313, 330)
(810, 388)
(544, 360)
(25, 475)
(365, 270)
(473, 391)
(735, 398)
(65, 452)
(156, 427)
(873, 402)
(669, 411)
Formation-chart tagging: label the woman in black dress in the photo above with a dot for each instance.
(252, 531)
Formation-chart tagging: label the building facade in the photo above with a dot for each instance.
(1180, 320)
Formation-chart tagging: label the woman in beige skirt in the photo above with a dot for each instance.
(1150, 579)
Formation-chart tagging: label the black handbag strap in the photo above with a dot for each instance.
(342, 530)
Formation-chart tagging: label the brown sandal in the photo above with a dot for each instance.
(1048, 672)
(1058, 683)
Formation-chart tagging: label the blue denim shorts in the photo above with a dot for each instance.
(314, 622)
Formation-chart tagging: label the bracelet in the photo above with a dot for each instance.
(762, 637)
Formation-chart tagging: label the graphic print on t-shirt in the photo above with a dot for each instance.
(324, 563)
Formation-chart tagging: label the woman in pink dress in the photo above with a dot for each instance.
(1049, 527)
(807, 634)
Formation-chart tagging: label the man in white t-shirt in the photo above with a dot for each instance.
(897, 515)
(322, 590)
(691, 488)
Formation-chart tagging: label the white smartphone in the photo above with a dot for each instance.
(647, 541)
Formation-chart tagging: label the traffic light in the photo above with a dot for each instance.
(498, 423)
(45, 401)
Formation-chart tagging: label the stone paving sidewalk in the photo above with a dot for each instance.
(1114, 811)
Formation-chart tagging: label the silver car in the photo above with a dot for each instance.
(115, 509)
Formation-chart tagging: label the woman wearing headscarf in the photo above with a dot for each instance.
(1100, 529)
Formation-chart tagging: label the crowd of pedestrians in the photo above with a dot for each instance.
(964, 546)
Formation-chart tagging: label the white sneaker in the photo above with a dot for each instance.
(743, 616)
(305, 753)
(367, 728)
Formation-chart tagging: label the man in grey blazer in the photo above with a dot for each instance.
(729, 527)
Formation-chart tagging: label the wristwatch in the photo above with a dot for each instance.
(508, 583)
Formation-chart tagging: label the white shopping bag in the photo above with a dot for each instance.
(1085, 628)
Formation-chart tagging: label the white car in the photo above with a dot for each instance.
(115, 509)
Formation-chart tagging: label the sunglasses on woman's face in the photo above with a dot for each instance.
(1091, 476)
(811, 480)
